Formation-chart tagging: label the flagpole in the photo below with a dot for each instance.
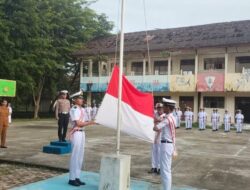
(119, 116)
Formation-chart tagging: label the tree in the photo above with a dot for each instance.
(41, 36)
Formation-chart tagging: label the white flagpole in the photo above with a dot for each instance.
(119, 116)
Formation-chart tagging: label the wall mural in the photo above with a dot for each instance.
(238, 82)
(182, 83)
(210, 82)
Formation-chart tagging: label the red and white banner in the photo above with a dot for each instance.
(137, 109)
(210, 81)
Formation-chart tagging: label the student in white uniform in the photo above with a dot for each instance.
(186, 115)
(191, 115)
(77, 138)
(175, 114)
(201, 119)
(179, 114)
(94, 111)
(155, 153)
(89, 111)
(168, 147)
(239, 119)
(218, 119)
(214, 120)
(227, 121)
(10, 113)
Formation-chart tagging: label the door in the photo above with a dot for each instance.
(243, 103)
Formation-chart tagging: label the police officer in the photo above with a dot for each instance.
(227, 121)
(4, 122)
(168, 148)
(202, 118)
(239, 118)
(77, 138)
(155, 153)
(62, 108)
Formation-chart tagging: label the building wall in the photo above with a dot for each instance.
(176, 57)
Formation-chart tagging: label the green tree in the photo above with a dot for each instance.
(40, 36)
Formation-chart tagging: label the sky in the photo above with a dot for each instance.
(172, 13)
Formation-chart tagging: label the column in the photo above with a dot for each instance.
(196, 66)
(90, 67)
(81, 70)
(144, 67)
(169, 64)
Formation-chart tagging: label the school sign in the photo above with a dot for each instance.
(7, 88)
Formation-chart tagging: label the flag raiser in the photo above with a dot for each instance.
(137, 109)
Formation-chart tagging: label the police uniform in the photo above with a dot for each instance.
(167, 127)
(62, 108)
(239, 118)
(94, 112)
(201, 119)
(227, 121)
(77, 143)
(4, 123)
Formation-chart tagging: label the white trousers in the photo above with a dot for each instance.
(190, 123)
(227, 126)
(214, 124)
(186, 123)
(77, 155)
(178, 122)
(238, 126)
(167, 150)
(156, 156)
(202, 124)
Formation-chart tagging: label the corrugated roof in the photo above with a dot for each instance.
(210, 35)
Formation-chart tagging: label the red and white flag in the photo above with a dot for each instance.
(137, 109)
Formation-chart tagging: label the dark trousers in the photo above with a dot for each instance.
(62, 126)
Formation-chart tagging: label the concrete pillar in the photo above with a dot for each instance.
(90, 67)
(196, 67)
(169, 65)
(226, 62)
(81, 74)
(144, 67)
(115, 172)
(89, 98)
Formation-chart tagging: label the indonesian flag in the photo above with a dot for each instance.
(136, 113)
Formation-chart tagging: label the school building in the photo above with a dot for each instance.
(199, 66)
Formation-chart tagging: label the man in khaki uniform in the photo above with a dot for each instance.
(62, 108)
(4, 122)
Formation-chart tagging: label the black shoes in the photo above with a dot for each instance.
(153, 170)
(80, 182)
(3, 147)
(74, 183)
(77, 182)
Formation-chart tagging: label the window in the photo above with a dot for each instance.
(95, 68)
(137, 68)
(161, 67)
(214, 63)
(242, 62)
(187, 65)
(85, 69)
(213, 102)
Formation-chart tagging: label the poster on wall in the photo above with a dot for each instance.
(182, 83)
(210, 82)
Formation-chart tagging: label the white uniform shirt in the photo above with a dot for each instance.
(201, 116)
(227, 118)
(76, 113)
(179, 113)
(239, 118)
(191, 115)
(214, 116)
(158, 134)
(167, 127)
(186, 114)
